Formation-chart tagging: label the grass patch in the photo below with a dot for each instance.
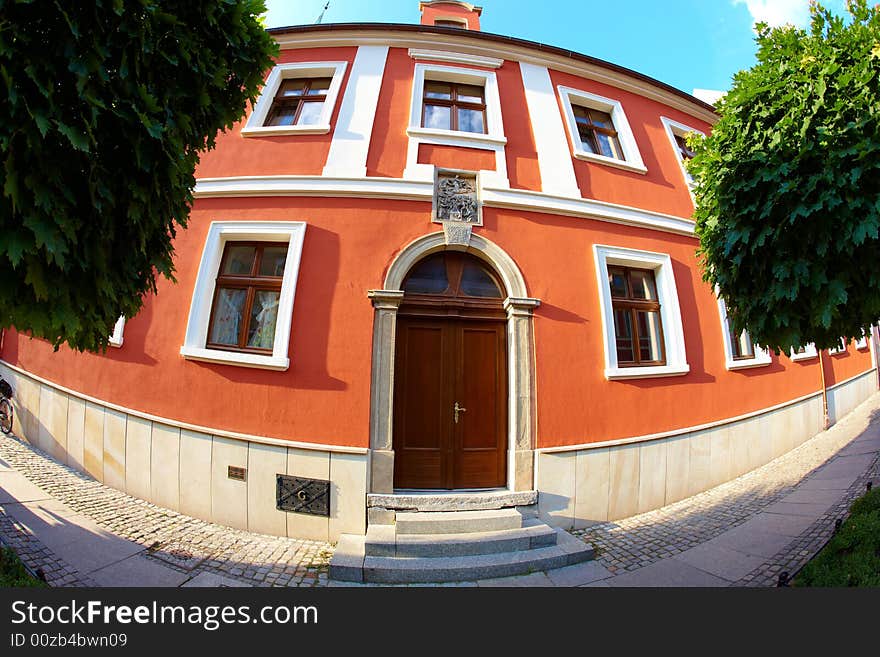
(13, 573)
(852, 556)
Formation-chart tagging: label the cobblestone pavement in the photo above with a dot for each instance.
(632, 543)
(181, 542)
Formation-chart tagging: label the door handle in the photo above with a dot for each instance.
(458, 409)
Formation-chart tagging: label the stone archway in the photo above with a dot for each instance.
(520, 348)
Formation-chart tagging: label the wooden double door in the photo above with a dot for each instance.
(450, 403)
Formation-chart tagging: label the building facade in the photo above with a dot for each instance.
(433, 260)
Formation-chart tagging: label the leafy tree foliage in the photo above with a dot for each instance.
(107, 105)
(788, 210)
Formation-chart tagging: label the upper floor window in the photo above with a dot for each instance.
(597, 133)
(599, 130)
(805, 352)
(116, 338)
(299, 101)
(297, 98)
(449, 106)
(643, 335)
(678, 134)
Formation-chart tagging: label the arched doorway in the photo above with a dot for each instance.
(450, 376)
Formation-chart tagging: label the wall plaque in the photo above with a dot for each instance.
(456, 198)
(302, 495)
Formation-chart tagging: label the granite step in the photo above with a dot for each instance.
(382, 541)
(459, 522)
(403, 570)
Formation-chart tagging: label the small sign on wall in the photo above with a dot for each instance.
(302, 495)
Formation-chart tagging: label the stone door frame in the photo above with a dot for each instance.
(521, 425)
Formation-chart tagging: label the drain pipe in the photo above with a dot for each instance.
(826, 421)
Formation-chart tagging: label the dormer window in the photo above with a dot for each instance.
(450, 22)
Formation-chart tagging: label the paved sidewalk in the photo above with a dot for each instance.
(79, 532)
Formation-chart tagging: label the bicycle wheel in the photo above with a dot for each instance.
(5, 415)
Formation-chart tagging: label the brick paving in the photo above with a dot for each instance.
(177, 541)
(632, 543)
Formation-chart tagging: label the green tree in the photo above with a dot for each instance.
(788, 210)
(107, 105)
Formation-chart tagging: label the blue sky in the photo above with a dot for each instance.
(686, 43)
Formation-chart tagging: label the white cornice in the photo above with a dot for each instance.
(399, 189)
(455, 57)
(493, 49)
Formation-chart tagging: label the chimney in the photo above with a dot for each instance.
(450, 13)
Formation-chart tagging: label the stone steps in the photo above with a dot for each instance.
(455, 546)
(458, 522)
(383, 542)
(396, 570)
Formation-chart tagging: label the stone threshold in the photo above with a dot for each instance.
(457, 501)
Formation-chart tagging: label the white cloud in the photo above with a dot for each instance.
(778, 12)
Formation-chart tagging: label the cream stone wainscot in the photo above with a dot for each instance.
(184, 467)
(596, 482)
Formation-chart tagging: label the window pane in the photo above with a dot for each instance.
(587, 136)
(319, 87)
(239, 260)
(741, 345)
(609, 146)
(284, 115)
(643, 285)
(226, 316)
(264, 312)
(617, 280)
(476, 282)
(273, 261)
(470, 93)
(470, 120)
(649, 335)
(311, 113)
(428, 277)
(601, 119)
(623, 332)
(438, 90)
(438, 117)
(293, 87)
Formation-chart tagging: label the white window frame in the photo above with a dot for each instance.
(436, 72)
(809, 352)
(761, 357)
(219, 233)
(632, 157)
(335, 70)
(116, 338)
(673, 129)
(862, 343)
(670, 312)
(492, 140)
(835, 351)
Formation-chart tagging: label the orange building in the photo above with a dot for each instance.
(438, 267)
